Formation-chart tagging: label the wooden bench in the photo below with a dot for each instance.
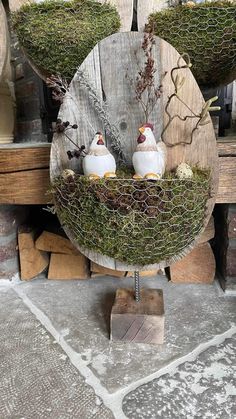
(24, 173)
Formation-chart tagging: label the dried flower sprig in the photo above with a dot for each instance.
(59, 87)
(146, 92)
(111, 129)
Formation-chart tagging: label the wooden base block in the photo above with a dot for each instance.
(68, 267)
(197, 267)
(140, 322)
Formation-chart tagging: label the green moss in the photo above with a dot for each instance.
(136, 222)
(207, 32)
(58, 35)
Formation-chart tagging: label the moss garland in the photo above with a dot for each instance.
(58, 35)
(207, 32)
(135, 222)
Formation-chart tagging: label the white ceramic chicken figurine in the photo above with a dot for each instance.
(149, 159)
(99, 162)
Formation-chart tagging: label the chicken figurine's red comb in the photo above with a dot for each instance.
(148, 125)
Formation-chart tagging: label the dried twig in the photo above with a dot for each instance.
(61, 128)
(201, 118)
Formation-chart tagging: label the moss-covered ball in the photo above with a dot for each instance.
(207, 32)
(58, 35)
(136, 222)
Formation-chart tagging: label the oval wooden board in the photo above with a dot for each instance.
(109, 76)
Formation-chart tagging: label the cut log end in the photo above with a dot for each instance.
(197, 267)
(32, 261)
(68, 267)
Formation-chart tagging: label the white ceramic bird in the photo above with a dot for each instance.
(149, 158)
(99, 162)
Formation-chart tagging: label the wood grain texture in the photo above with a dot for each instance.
(26, 187)
(14, 159)
(208, 233)
(141, 322)
(66, 267)
(145, 8)
(197, 267)
(50, 242)
(227, 146)
(4, 45)
(97, 269)
(125, 9)
(32, 260)
(227, 180)
(109, 75)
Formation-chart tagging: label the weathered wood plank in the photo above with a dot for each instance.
(26, 187)
(227, 147)
(14, 159)
(145, 8)
(125, 9)
(227, 180)
(141, 322)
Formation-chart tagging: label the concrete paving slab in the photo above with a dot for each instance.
(204, 388)
(37, 379)
(80, 311)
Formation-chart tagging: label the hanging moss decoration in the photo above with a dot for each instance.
(58, 35)
(207, 32)
(136, 222)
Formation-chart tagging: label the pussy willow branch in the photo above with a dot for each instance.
(202, 118)
(110, 128)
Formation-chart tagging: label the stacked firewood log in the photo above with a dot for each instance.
(56, 255)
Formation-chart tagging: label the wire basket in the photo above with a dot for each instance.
(58, 35)
(136, 222)
(207, 32)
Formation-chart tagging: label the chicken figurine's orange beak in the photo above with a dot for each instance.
(141, 129)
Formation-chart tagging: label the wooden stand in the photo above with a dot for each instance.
(140, 322)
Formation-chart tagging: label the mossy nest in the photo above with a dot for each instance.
(58, 35)
(135, 222)
(207, 32)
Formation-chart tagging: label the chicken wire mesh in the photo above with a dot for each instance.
(58, 35)
(135, 222)
(207, 32)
